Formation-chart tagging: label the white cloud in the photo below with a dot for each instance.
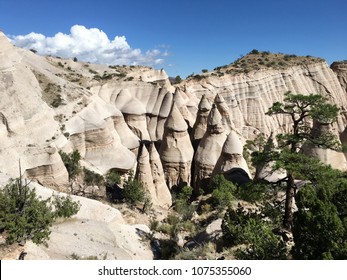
(91, 45)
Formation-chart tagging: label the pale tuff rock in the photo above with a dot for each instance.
(107, 111)
(232, 155)
(26, 123)
(127, 137)
(96, 230)
(97, 140)
(162, 191)
(134, 113)
(225, 112)
(163, 114)
(180, 99)
(328, 156)
(340, 68)
(144, 173)
(8, 54)
(175, 121)
(176, 151)
(150, 173)
(209, 149)
(200, 125)
(52, 174)
(255, 93)
(214, 121)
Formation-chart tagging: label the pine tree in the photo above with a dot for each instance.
(302, 111)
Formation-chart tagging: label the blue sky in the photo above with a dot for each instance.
(182, 36)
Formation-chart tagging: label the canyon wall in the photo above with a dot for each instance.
(131, 117)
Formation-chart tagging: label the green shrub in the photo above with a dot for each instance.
(65, 207)
(91, 178)
(241, 227)
(113, 190)
(71, 162)
(254, 51)
(133, 190)
(57, 101)
(177, 80)
(154, 225)
(24, 216)
(113, 178)
(222, 192)
(182, 203)
(121, 75)
(67, 134)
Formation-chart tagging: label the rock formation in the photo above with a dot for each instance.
(49, 104)
(97, 140)
(340, 68)
(27, 125)
(232, 156)
(328, 156)
(134, 114)
(223, 108)
(162, 192)
(176, 151)
(106, 111)
(52, 173)
(150, 173)
(253, 93)
(200, 125)
(180, 101)
(209, 149)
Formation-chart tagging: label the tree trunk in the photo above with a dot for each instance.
(288, 208)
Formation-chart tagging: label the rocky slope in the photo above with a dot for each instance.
(131, 117)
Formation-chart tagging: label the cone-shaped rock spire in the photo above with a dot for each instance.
(225, 112)
(176, 151)
(161, 192)
(209, 149)
(231, 157)
(200, 125)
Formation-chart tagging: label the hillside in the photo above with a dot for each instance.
(131, 118)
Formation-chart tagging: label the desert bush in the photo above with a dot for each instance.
(182, 203)
(254, 51)
(91, 178)
(64, 206)
(250, 229)
(133, 190)
(25, 216)
(71, 162)
(57, 101)
(222, 192)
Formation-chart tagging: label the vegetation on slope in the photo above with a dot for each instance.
(257, 223)
(25, 216)
(258, 60)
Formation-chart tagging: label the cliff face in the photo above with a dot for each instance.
(107, 112)
(340, 69)
(249, 95)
